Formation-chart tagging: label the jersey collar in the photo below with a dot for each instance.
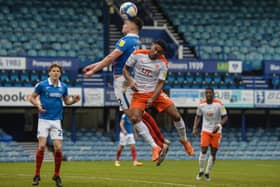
(131, 34)
(50, 82)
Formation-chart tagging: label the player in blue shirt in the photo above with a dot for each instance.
(127, 137)
(118, 57)
(47, 97)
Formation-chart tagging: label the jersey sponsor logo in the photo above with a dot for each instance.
(121, 43)
(210, 114)
(146, 72)
(55, 95)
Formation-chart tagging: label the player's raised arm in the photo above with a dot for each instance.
(109, 59)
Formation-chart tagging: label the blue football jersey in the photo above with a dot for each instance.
(51, 98)
(127, 45)
(127, 124)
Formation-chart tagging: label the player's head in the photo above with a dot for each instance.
(55, 71)
(209, 94)
(158, 48)
(133, 25)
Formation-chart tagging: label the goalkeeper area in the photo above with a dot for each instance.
(226, 173)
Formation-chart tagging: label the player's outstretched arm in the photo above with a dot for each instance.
(109, 59)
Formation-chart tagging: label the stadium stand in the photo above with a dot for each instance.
(52, 28)
(93, 145)
(245, 30)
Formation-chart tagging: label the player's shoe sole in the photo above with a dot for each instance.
(36, 180)
(199, 176)
(117, 163)
(207, 177)
(57, 180)
(162, 154)
(136, 163)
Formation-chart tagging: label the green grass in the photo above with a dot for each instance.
(169, 174)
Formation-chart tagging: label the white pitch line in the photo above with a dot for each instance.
(137, 181)
(114, 179)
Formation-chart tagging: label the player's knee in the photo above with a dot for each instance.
(176, 117)
(134, 119)
(42, 147)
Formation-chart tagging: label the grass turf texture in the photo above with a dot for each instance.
(227, 173)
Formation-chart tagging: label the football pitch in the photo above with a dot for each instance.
(228, 173)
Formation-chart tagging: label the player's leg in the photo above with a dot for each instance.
(205, 141)
(57, 137)
(157, 140)
(124, 98)
(214, 144)
(134, 156)
(153, 126)
(123, 141)
(118, 155)
(42, 141)
(164, 103)
(131, 142)
(42, 134)
(138, 105)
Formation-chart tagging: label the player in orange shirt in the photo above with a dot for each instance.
(214, 117)
(150, 71)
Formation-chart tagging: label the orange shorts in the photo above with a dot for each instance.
(139, 100)
(208, 138)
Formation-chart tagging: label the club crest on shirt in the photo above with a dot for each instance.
(165, 74)
(121, 43)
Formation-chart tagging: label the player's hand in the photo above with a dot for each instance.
(76, 98)
(88, 67)
(217, 128)
(194, 132)
(132, 85)
(135, 136)
(89, 73)
(40, 109)
(88, 70)
(124, 132)
(149, 103)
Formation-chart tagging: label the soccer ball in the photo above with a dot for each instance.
(128, 10)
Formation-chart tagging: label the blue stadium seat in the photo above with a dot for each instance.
(217, 77)
(44, 75)
(4, 75)
(176, 84)
(199, 78)
(208, 78)
(189, 77)
(171, 77)
(24, 76)
(34, 76)
(180, 77)
(14, 75)
(229, 78)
